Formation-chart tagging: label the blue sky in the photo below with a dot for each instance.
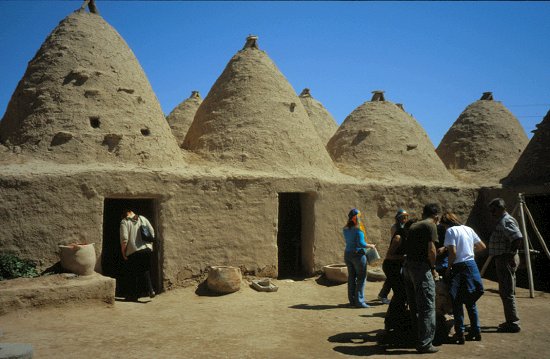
(434, 57)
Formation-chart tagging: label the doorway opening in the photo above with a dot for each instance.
(112, 262)
(295, 234)
(539, 206)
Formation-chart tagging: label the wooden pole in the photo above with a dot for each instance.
(539, 236)
(526, 247)
(487, 261)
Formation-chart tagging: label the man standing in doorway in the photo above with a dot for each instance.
(505, 241)
(419, 273)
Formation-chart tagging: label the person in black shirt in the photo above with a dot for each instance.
(419, 273)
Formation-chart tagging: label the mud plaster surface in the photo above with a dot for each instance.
(85, 98)
(484, 143)
(322, 120)
(378, 140)
(302, 320)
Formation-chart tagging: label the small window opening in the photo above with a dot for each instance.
(94, 122)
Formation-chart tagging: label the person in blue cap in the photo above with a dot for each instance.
(355, 258)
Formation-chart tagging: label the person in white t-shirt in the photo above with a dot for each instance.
(466, 286)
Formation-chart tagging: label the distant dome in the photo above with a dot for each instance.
(182, 116)
(486, 138)
(253, 119)
(84, 97)
(381, 141)
(533, 166)
(323, 122)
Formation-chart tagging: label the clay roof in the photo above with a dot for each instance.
(381, 141)
(182, 116)
(253, 119)
(322, 120)
(486, 138)
(533, 166)
(85, 98)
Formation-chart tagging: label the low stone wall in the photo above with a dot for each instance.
(53, 290)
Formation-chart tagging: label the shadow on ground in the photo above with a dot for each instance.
(366, 344)
(320, 307)
(203, 291)
(322, 280)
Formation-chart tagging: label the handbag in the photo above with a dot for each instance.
(146, 234)
(372, 256)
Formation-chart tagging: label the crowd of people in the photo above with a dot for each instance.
(438, 246)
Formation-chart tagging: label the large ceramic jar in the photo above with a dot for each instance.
(78, 258)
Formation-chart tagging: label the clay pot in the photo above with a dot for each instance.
(224, 279)
(376, 275)
(337, 273)
(264, 285)
(78, 258)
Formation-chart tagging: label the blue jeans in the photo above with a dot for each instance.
(466, 288)
(357, 274)
(420, 288)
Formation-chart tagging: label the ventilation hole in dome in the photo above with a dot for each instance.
(94, 122)
(292, 107)
(61, 138)
(305, 93)
(111, 141)
(378, 95)
(145, 132)
(487, 96)
(251, 42)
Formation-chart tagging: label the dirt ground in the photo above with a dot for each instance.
(304, 319)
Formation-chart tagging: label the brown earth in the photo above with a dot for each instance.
(304, 319)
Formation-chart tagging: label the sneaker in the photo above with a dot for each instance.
(458, 338)
(473, 336)
(508, 328)
(428, 350)
(363, 305)
(384, 300)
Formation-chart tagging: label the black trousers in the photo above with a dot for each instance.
(396, 316)
(138, 268)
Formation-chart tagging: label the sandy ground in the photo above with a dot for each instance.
(304, 319)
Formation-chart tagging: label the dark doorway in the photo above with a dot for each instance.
(112, 262)
(295, 235)
(539, 206)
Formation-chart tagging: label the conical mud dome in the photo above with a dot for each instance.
(486, 140)
(253, 119)
(322, 120)
(182, 116)
(533, 166)
(381, 141)
(85, 98)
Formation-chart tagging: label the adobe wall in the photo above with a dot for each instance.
(202, 220)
